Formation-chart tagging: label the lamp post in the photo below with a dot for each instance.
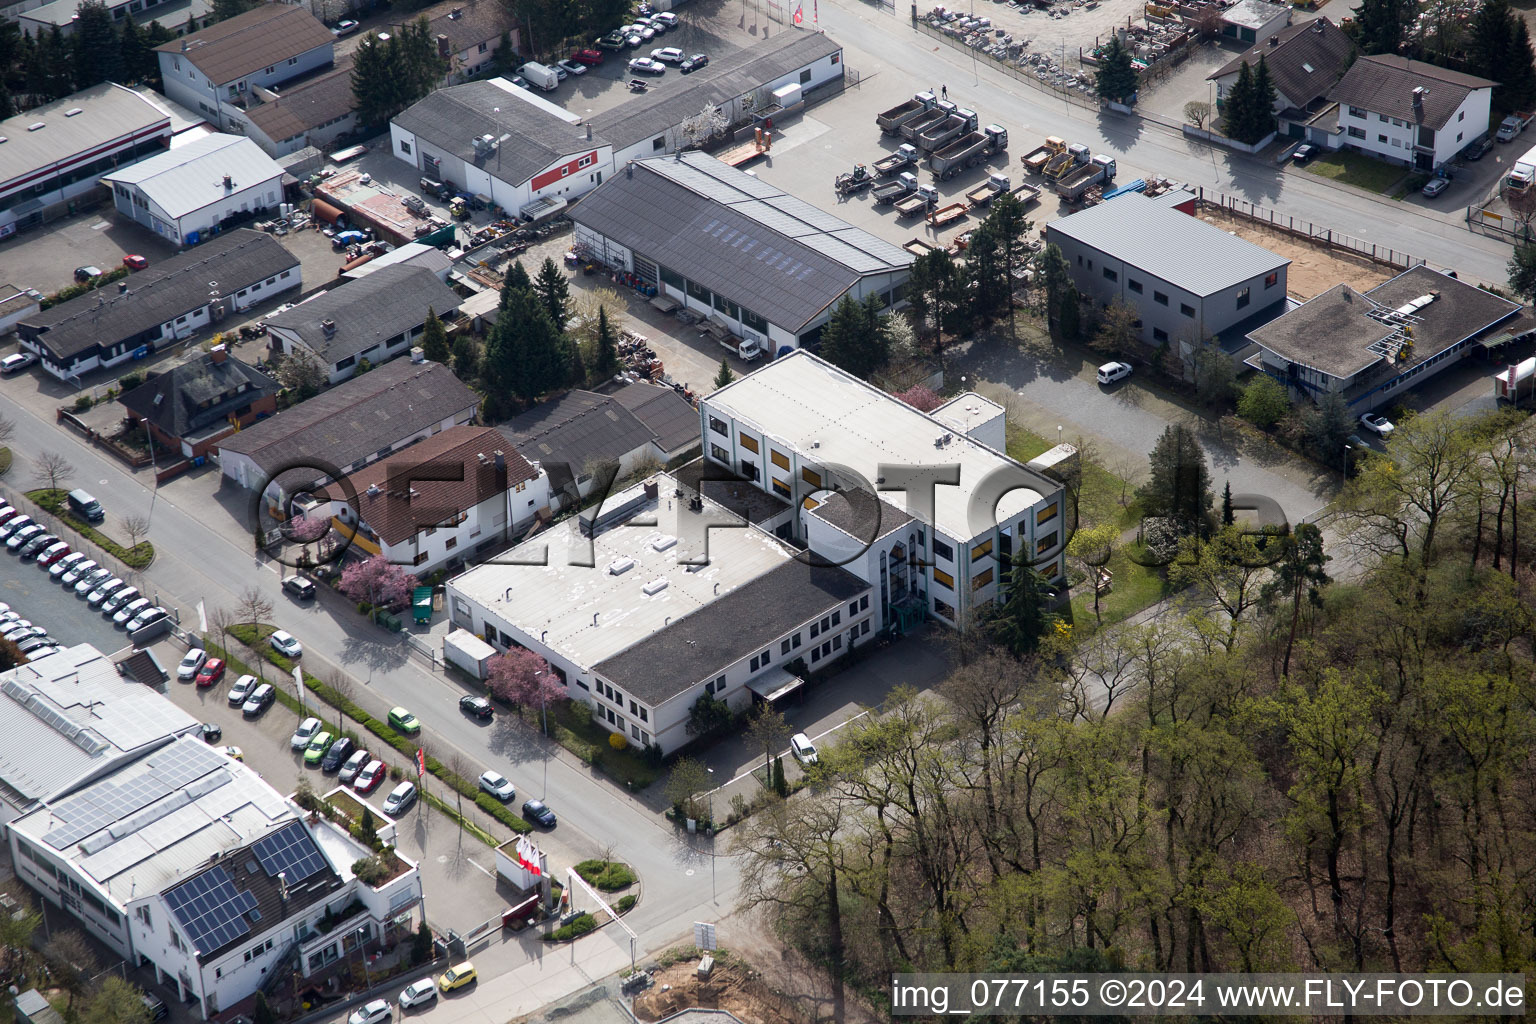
(712, 893)
(1344, 473)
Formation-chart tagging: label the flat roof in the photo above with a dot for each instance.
(803, 402)
(1172, 246)
(1254, 13)
(589, 614)
(69, 717)
(735, 234)
(107, 113)
(188, 178)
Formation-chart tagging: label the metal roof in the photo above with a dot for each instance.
(1174, 247)
(191, 177)
(107, 113)
(266, 35)
(733, 233)
(368, 312)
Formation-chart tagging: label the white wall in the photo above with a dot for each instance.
(259, 195)
(483, 522)
(1394, 138)
(188, 86)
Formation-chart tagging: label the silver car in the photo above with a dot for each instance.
(104, 591)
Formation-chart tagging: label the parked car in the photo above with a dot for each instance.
(191, 664)
(1304, 154)
(304, 733)
(668, 55)
(376, 1012)
(52, 553)
(1479, 149)
(354, 764)
(6, 512)
(17, 633)
(34, 644)
(666, 18)
(299, 587)
(156, 1006)
(261, 698)
(591, 58)
(212, 732)
(314, 752)
(145, 618)
(234, 753)
(345, 28)
(65, 564)
(13, 524)
(400, 799)
(104, 591)
(477, 706)
(1378, 425)
(457, 976)
(403, 721)
(86, 273)
(35, 546)
(418, 993)
(336, 754)
(369, 778)
(612, 41)
(133, 261)
(128, 612)
(535, 811)
(647, 66)
(21, 536)
(1111, 372)
(73, 573)
(213, 671)
(91, 580)
(286, 644)
(694, 63)
(498, 786)
(571, 67)
(16, 362)
(801, 746)
(117, 600)
(1435, 186)
(241, 691)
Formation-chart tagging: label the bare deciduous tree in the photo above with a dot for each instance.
(53, 469)
(704, 125)
(219, 620)
(767, 732)
(460, 766)
(7, 430)
(136, 527)
(1197, 112)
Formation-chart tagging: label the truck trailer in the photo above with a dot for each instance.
(967, 151)
(891, 121)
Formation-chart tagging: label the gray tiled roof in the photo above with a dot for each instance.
(1185, 251)
(268, 34)
(727, 78)
(173, 400)
(577, 428)
(235, 259)
(664, 412)
(732, 233)
(452, 118)
(1384, 84)
(307, 105)
(1304, 61)
(357, 417)
(677, 658)
(367, 311)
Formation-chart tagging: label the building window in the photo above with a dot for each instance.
(781, 488)
(1110, 275)
(1357, 112)
(783, 648)
(811, 477)
(864, 603)
(1158, 334)
(482, 48)
(1242, 298)
(405, 147)
(658, 144)
(292, 61)
(815, 630)
(940, 576)
(779, 458)
(719, 454)
(419, 559)
(805, 77)
(718, 426)
(1381, 138)
(1133, 284)
(1159, 298)
(981, 579)
(1187, 310)
(749, 443)
(753, 322)
(1271, 279)
(1383, 118)
(749, 469)
(943, 550)
(1045, 515)
(1045, 543)
(1356, 133)
(981, 550)
(698, 291)
(815, 654)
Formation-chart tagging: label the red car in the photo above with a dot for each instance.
(369, 778)
(52, 553)
(213, 671)
(591, 58)
(135, 262)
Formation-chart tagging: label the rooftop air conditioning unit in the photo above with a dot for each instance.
(654, 587)
(663, 542)
(620, 566)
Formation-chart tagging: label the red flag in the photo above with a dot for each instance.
(799, 13)
(421, 763)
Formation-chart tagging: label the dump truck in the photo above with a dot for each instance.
(1026, 194)
(906, 154)
(937, 136)
(1034, 161)
(994, 186)
(1060, 165)
(967, 151)
(901, 185)
(948, 215)
(922, 199)
(891, 121)
(1101, 169)
(927, 119)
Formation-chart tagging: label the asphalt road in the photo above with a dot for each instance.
(37, 597)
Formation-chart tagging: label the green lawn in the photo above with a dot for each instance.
(1099, 501)
(1357, 169)
(137, 557)
(1135, 587)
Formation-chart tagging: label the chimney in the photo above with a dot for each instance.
(229, 182)
(122, 287)
(1274, 41)
(1418, 99)
(183, 44)
(443, 49)
(589, 131)
(651, 489)
(329, 327)
(219, 353)
(1317, 26)
(418, 354)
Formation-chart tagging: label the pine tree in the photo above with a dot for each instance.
(605, 360)
(1382, 25)
(1261, 115)
(1008, 227)
(97, 52)
(1022, 619)
(1116, 78)
(780, 783)
(223, 10)
(525, 356)
(434, 340)
(1228, 513)
(517, 279)
(1180, 484)
(261, 1012)
(132, 52)
(1500, 49)
(852, 339)
(7, 106)
(1069, 318)
(725, 376)
(554, 293)
(1237, 105)
(372, 81)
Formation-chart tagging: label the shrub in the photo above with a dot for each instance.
(607, 875)
(617, 741)
(371, 871)
(626, 904)
(129, 381)
(83, 403)
(578, 927)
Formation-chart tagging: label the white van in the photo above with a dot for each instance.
(539, 76)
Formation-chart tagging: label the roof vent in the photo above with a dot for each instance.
(35, 125)
(664, 542)
(815, 444)
(620, 566)
(229, 182)
(654, 587)
(456, 13)
(1308, 68)
(373, 490)
(72, 111)
(418, 354)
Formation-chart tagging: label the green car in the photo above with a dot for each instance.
(315, 752)
(404, 721)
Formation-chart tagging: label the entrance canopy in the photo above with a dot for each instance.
(775, 684)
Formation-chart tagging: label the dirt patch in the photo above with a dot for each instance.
(733, 987)
(1314, 268)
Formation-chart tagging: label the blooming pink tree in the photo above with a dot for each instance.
(378, 581)
(305, 528)
(920, 397)
(522, 677)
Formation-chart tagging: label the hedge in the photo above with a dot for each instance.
(578, 927)
(253, 636)
(137, 557)
(607, 875)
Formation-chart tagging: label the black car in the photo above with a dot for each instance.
(1479, 149)
(694, 62)
(477, 706)
(337, 755)
(299, 587)
(536, 812)
(156, 1006)
(212, 733)
(32, 548)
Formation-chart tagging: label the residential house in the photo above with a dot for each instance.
(1369, 346)
(343, 429)
(215, 68)
(189, 193)
(1409, 111)
(312, 111)
(468, 33)
(192, 406)
(374, 319)
(168, 302)
(445, 499)
(1305, 62)
(37, 17)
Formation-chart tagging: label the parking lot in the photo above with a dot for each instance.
(38, 598)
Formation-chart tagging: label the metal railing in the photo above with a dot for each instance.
(1305, 229)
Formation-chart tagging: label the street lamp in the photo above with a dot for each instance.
(712, 893)
(1344, 474)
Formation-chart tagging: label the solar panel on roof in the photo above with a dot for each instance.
(211, 909)
(290, 850)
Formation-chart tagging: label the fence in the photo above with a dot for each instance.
(1070, 95)
(1498, 225)
(1326, 237)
